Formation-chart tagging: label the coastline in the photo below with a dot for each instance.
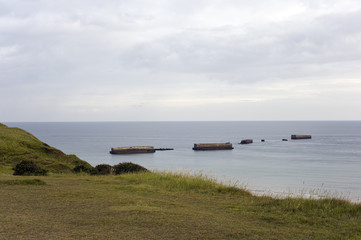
(329, 161)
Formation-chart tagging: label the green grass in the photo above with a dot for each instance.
(22, 182)
(17, 145)
(163, 206)
(149, 205)
(6, 170)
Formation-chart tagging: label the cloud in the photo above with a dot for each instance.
(278, 49)
(82, 59)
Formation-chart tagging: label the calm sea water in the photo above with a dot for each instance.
(328, 163)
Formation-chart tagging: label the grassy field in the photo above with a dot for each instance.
(149, 205)
(162, 206)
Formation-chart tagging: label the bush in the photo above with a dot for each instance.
(84, 169)
(128, 167)
(103, 169)
(29, 168)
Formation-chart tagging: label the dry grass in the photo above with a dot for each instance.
(163, 206)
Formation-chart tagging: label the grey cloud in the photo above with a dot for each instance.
(86, 50)
(278, 47)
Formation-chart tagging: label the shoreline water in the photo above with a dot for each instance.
(329, 162)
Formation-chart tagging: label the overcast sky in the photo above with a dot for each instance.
(162, 60)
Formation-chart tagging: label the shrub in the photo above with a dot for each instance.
(128, 167)
(103, 169)
(29, 168)
(84, 169)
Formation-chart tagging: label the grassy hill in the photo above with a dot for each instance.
(17, 145)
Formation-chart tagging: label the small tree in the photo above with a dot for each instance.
(29, 168)
(103, 169)
(128, 167)
(84, 169)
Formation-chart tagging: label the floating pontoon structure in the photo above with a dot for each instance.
(131, 150)
(301, 137)
(163, 149)
(212, 146)
(246, 141)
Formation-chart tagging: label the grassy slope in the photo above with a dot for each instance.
(17, 145)
(162, 206)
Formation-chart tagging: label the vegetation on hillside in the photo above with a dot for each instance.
(97, 204)
(17, 145)
(29, 168)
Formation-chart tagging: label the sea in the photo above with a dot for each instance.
(328, 165)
